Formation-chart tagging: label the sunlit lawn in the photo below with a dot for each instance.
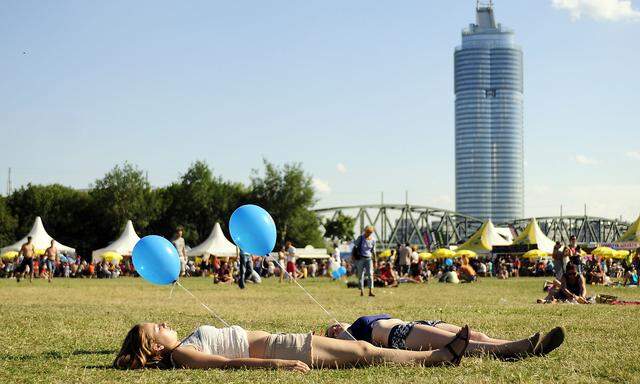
(69, 331)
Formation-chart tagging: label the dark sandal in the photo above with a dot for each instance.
(552, 340)
(534, 342)
(465, 335)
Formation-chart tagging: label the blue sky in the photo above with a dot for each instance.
(360, 92)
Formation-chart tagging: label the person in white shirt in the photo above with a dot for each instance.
(336, 254)
(178, 242)
(404, 254)
(291, 259)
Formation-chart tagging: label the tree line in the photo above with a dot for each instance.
(90, 219)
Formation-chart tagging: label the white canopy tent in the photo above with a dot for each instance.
(41, 240)
(122, 246)
(216, 244)
(309, 252)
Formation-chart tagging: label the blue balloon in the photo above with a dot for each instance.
(253, 230)
(156, 259)
(342, 270)
(448, 262)
(336, 274)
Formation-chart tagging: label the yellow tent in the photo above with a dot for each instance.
(535, 254)
(533, 235)
(426, 256)
(484, 239)
(605, 252)
(384, 254)
(10, 255)
(443, 253)
(466, 252)
(112, 257)
(632, 234)
(621, 254)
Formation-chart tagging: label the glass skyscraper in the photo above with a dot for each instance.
(489, 134)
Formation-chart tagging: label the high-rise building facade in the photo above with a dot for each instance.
(489, 133)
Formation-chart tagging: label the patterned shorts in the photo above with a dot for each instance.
(399, 333)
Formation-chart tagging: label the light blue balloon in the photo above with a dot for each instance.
(336, 274)
(253, 230)
(448, 262)
(342, 270)
(156, 259)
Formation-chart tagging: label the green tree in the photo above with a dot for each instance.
(63, 210)
(8, 224)
(341, 227)
(124, 193)
(287, 194)
(197, 202)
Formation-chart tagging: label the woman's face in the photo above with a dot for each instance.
(161, 333)
(336, 329)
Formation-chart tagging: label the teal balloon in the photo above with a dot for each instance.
(156, 259)
(253, 230)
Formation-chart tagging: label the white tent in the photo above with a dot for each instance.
(309, 252)
(123, 245)
(41, 240)
(216, 244)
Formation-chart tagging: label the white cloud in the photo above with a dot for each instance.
(600, 10)
(584, 160)
(321, 185)
(341, 168)
(634, 155)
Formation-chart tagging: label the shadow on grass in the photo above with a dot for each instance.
(98, 352)
(54, 355)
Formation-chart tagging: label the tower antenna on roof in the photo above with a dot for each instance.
(484, 4)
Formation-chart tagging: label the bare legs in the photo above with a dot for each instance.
(424, 337)
(336, 353)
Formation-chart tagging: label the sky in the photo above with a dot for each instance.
(360, 92)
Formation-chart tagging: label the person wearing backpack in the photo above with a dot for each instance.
(363, 253)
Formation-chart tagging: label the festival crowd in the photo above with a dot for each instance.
(404, 265)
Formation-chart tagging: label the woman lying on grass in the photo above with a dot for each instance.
(157, 345)
(387, 332)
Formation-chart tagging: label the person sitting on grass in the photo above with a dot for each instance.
(387, 276)
(385, 331)
(466, 273)
(450, 276)
(631, 278)
(223, 274)
(157, 345)
(572, 288)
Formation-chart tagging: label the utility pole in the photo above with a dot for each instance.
(9, 186)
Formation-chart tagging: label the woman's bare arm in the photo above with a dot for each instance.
(190, 358)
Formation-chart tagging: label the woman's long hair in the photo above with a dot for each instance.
(137, 352)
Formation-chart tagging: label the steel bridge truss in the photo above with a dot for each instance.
(430, 228)
(586, 229)
(424, 226)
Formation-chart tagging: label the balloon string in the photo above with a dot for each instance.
(204, 305)
(171, 292)
(312, 298)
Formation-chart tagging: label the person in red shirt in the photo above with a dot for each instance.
(388, 276)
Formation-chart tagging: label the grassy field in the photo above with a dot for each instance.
(69, 331)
